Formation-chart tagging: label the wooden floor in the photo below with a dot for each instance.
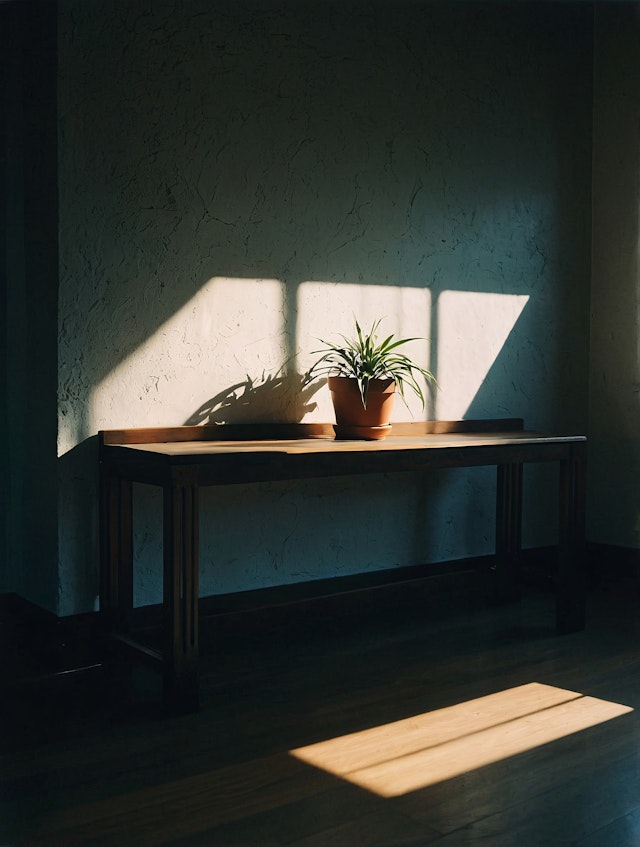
(482, 728)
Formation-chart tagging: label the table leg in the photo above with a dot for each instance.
(180, 653)
(116, 577)
(508, 531)
(570, 602)
(116, 551)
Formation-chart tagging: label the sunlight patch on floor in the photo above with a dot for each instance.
(416, 752)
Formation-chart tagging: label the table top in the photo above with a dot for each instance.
(328, 445)
(232, 453)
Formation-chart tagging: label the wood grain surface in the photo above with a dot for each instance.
(75, 772)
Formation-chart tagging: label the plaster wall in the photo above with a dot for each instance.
(28, 298)
(614, 418)
(239, 179)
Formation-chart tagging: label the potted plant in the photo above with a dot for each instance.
(363, 374)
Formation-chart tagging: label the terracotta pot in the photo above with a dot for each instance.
(352, 419)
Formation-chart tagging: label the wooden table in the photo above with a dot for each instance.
(181, 459)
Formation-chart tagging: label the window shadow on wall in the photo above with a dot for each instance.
(322, 171)
(285, 156)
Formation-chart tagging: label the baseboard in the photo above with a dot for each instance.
(607, 562)
(437, 589)
(38, 645)
(341, 603)
(52, 645)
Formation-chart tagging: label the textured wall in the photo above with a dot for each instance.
(614, 413)
(28, 296)
(237, 179)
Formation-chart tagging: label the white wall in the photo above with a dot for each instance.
(239, 179)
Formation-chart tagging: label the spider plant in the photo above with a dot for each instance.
(364, 358)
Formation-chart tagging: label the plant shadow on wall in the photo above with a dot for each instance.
(283, 397)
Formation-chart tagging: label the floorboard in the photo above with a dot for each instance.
(474, 728)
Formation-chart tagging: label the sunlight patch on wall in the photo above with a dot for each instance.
(414, 753)
(472, 330)
(228, 345)
(230, 329)
(326, 309)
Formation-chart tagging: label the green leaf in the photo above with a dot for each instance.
(364, 358)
